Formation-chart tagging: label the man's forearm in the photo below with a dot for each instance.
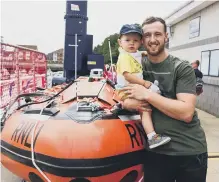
(176, 109)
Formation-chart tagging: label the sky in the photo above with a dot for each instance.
(41, 22)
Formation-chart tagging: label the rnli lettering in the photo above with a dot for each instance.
(22, 133)
(136, 133)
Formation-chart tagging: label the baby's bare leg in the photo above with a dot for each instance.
(147, 122)
(154, 140)
(136, 105)
(146, 116)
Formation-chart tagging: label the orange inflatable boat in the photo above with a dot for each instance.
(69, 134)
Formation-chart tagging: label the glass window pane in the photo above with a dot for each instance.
(214, 63)
(205, 62)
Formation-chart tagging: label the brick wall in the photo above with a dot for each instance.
(209, 99)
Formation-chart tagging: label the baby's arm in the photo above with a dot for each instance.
(135, 80)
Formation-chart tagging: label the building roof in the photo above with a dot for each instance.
(178, 9)
(187, 10)
(34, 47)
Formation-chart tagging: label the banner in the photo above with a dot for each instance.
(22, 70)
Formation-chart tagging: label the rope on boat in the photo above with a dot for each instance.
(32, 147)
(141, 180)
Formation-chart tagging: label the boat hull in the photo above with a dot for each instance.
(74, 146)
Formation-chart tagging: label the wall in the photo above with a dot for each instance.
(190, 49)
(209, 26)
(209, 99)
(194, 53)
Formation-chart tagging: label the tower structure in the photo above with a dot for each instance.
(78, 45)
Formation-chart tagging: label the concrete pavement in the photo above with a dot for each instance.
(7, 176)
(210, 124)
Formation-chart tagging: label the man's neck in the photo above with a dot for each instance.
(160, 58)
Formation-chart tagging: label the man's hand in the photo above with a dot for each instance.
(135, 91)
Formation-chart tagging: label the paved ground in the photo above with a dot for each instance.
(211, 127)
(7, 176)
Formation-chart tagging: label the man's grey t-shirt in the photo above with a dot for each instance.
(175, 76)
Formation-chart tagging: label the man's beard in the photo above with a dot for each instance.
(158, 52)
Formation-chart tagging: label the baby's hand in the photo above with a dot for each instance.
(154, 87)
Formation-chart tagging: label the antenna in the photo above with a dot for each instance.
(76, 46)
(111, 58)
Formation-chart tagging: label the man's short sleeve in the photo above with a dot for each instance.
(124, 64)
(186, 80)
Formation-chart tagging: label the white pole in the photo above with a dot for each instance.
(75, 45)
(111, 58)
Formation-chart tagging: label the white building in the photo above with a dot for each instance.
(55, 57)
(194, 35)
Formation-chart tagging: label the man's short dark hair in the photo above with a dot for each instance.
(153, 19)
(197, 62)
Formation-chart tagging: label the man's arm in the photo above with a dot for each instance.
(182, 109)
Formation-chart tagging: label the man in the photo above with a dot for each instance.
(195, 66)
(184, 158)
(199, 75)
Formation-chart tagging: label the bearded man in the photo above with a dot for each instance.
(184, 158)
